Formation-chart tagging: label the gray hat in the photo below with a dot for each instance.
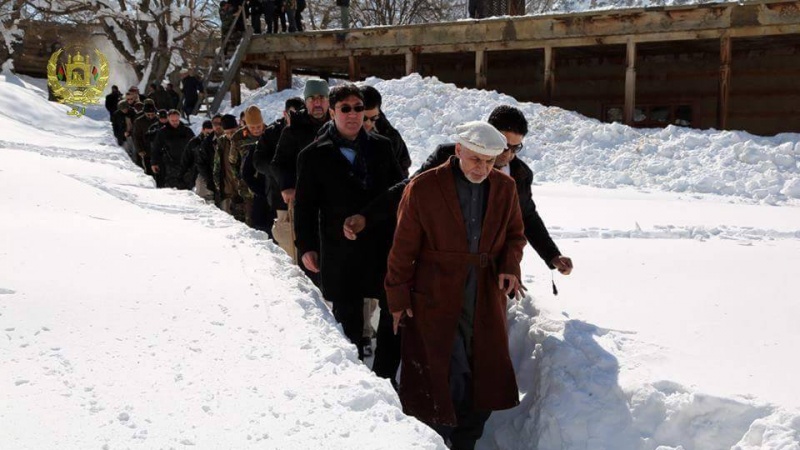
(315, 86)
(481, 137)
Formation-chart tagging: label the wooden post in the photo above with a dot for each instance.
(724, 82)
(549, 75)
(354, 68)
(630, 81)
(412, 62)
(481, 67)
(236, 90)
(284, 74)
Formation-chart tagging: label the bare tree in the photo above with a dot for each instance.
(152, 35)
(10, 33)
(399, 12)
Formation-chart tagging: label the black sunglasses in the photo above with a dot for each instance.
(345, 109)
(372, 119)
(514, 148)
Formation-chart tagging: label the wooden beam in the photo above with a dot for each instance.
(724, 82)
(236, 90)
(354, 68)
(284, 74)
(630, 81)
(549, 75)
(481, 69)
(412, 62)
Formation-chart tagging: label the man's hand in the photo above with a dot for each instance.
(510, 285)
(563, 264)
(400, 315)
(127, 134)
(311, 261)
(154, 169)
(288, 196)
(354, 225)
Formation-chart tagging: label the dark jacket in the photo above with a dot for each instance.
(174, 98)
(254, 180)
(112, 100)
(385, 128)
(140, 127)
(330, 189)
(294, 138)
(191, 86)
(385, 208)
(197, 159)
(167, 152)
(119, 123)
(161, 98)
(262, 159)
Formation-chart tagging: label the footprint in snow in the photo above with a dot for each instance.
(7, 291)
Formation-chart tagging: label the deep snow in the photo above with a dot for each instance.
(137, 316)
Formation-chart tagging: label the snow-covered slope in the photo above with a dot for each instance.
(140, 318)
(144, 318)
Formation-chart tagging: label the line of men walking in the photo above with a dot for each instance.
(439, 252)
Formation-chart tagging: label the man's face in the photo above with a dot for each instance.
(347, 117)
(230, 132)
(370, 117)
(217, 124)
(174, 120)
(162, 119)
(150, 116)
(256, 130)
(514, 145)
(207, 131)
(476, 167)
(317, 106)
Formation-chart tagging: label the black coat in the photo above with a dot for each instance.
(385, 128)
(112, 100)
(119, 124)
(161, 98)
(294, 138)
(198, 158)
(167, 153)
(328, 191)
(262, 160)
(385, 207)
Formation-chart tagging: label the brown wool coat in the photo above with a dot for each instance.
(427, 272)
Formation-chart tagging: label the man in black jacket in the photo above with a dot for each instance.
(261, 160)
(302, 131)
(167, 151)
(376, 121)
(197, 160)
(112, 100)
(512, 124)
(338, 175)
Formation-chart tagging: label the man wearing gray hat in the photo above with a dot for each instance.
(455, 259)
(301, 130)
(304, 125)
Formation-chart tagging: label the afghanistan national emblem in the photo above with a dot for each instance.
(78, 78)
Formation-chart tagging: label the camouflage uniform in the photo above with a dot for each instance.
(225, 180)
(242, 142)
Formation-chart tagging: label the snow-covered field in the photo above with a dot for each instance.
(143, 318)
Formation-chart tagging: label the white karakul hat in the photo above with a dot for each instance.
(481, 137)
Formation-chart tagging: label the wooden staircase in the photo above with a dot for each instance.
(220, 74)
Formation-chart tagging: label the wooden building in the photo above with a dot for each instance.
(724, 66)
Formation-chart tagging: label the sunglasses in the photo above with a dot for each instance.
(345, 109)
(514, 148)
(372, 119)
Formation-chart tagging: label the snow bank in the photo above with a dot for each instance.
(563, 146)
(136, 317)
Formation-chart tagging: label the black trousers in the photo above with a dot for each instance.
(470, 422)
(349, 311)
(387, 350)
(262, 216)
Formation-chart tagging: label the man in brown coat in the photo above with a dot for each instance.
(455, 259)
